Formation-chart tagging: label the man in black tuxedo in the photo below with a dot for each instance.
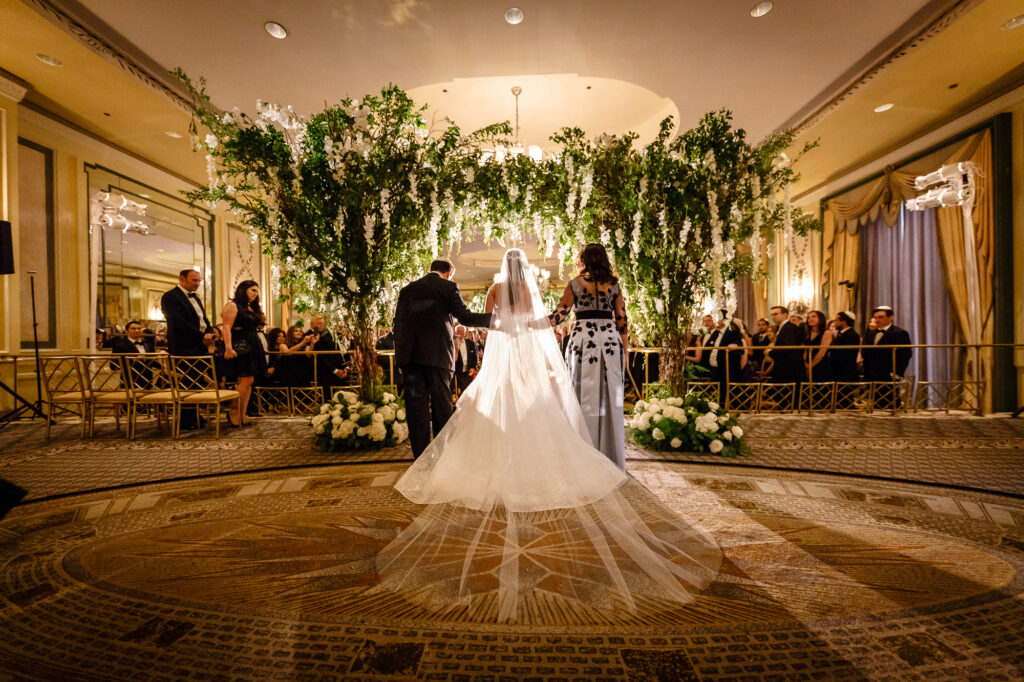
(465, 358)
(135, 342)
(425, 351)
(189, 331)
(331, 369)
(844, 349)
(759, 341)
(787, 364)
(878, 362)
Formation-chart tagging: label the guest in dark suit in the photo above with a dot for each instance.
(878, 362)
(759, 341)
(134, 342)
(331, 366)
(465, 358)
(188, 328)
(424, 349)
(844, 349)
(787, 365)
(819, 338)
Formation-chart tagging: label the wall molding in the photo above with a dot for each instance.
(11, 89)
(91, 32)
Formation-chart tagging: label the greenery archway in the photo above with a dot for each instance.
(354, 200)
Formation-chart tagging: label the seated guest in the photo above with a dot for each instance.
(295, 367)
(879, 362)
(275, 346)
(133, 342)
(844, 349)
(819, 367)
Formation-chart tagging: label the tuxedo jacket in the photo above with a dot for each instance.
(326, 364)
(122, 344)
(843, 354)
(183, 335)
(788, 365)
(424, 322)
(878, 361)
(471, 358)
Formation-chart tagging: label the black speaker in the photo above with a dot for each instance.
(6, 249)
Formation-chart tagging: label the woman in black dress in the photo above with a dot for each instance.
(819, 365)
(242, 347)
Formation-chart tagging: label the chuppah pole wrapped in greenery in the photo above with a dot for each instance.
(355, 199)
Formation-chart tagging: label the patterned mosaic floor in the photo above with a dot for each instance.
(266, 575)
(973, 452)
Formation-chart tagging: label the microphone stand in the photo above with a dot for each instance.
(35, 408)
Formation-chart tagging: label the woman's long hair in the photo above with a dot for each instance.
(274, 338)
(241, 299)
(822, 322)
(596, 264)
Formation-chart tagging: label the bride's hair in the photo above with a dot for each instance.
(595, 263)
(515, 276)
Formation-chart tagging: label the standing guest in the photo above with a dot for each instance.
(425, 351)
(878, 362)
(819, 338)
(465, 359)
(597, 349)
(787, 364)
(188, 328)
(845, 355)
(134, 341)
(761, 340)
(331, 366)
(242, 348)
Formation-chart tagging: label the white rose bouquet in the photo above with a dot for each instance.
(347, 423)
(690, 424)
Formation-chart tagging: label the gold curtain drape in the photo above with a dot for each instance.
(841, 235)
(975, 325)
(841, 245)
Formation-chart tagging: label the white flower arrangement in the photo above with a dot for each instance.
(689, 424)
(347, 423)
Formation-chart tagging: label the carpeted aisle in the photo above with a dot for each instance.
(265, 574)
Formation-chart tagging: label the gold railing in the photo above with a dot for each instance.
(905, 394)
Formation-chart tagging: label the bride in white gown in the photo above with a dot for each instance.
(521, 509)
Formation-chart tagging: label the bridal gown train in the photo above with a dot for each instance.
(521, 509)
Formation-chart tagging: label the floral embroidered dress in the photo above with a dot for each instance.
(594, 356)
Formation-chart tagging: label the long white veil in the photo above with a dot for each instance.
(521, 508)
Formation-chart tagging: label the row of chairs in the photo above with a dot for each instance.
(159, 385)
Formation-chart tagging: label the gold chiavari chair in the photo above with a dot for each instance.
(152, 389)
(195, 382)
(64, 386)
(105, 378)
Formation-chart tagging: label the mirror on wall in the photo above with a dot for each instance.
(141, 239)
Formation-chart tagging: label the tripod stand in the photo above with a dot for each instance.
(35, 408)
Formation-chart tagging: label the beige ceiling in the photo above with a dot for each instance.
(641, 60)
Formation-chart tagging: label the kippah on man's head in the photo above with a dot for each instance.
(847, 317)
(882, 309)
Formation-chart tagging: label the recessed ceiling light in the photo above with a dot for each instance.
(514, 15)
(276, 30)
(884, 107)
(1016, 22)
(761, 9)
(174, 133)
(48, 60)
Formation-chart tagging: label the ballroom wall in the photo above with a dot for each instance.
(71, 150)
(1011, 102)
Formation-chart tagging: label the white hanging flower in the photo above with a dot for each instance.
(352, 284)
(716, 446)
